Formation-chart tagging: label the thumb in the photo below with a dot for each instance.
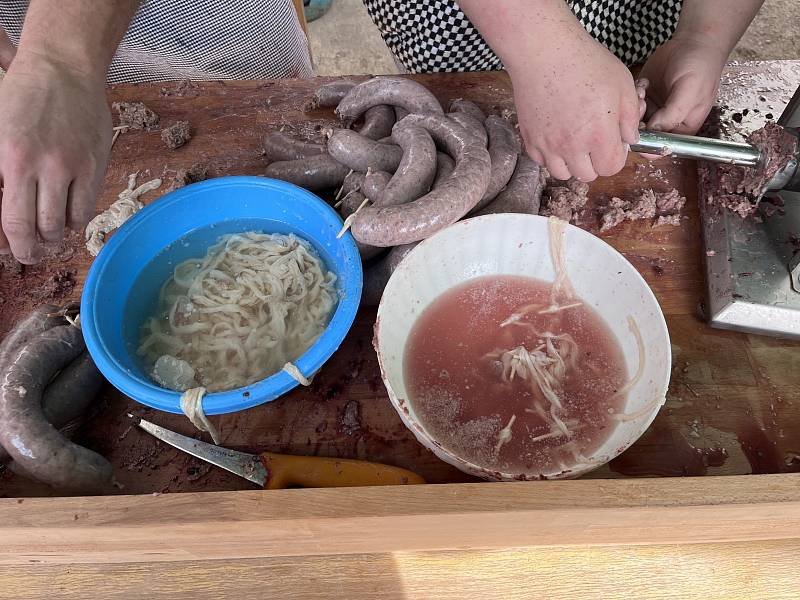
(679, 104)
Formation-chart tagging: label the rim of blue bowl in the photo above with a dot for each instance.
(148, 393)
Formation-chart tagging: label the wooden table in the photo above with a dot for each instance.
(732, 408)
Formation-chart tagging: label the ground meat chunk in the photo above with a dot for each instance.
(646, 205)
(565, 199)
(670, 202)
(135, 115)
(668, 220)
(197, 172)
(177, 135)
(738, 189)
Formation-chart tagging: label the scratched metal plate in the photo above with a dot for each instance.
(748, 264)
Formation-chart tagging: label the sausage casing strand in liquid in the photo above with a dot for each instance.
(443, 206)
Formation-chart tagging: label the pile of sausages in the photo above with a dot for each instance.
(409, 169)
(47, 381)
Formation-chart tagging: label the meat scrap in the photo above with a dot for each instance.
(738, 188)
(665, 207)
(197, 172)
(564, 199)
(135, 115)
(177, 135)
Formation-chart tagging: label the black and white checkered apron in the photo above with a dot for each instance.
(434, 35)
(200, 40)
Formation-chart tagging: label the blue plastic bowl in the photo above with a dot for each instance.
(123, 284)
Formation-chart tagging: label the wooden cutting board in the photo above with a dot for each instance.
(732, 406)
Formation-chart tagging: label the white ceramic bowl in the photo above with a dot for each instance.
(512, 244)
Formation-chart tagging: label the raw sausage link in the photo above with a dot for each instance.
(378, 122)
(356, 152)
(443, 206)
(329, 95)
(279, 146)
(68, 396)
(417, 168)
(352, 183)
(315, 173)
(348, 207)
(444, 166)
(467, 107)
(395, 91)
(374, 184)
(504, 148)
(523, 194)
(32, 325)
(377, 276)
(37, 447)
(351, 203)
(471, 124)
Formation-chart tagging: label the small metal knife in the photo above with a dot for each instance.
(275, 471)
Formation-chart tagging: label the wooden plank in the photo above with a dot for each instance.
(240, 525)
(747, 571)
(732, 402)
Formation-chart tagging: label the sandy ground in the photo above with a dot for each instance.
(773, 34)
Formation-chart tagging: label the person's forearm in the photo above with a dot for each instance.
(518, 29)
(721, 22)
(82, 34)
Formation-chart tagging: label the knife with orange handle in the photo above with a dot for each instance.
(276, 471)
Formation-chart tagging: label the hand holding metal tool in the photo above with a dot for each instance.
(276, 471)
(722, 151)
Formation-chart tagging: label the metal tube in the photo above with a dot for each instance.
(689, 146)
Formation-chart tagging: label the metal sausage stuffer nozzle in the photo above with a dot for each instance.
(753, 264)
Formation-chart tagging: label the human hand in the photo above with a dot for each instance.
(578, 108)
(684, 77)
(55, 138)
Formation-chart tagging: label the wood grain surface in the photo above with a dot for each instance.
(711, 537)
(732, 406)
(744, 571)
